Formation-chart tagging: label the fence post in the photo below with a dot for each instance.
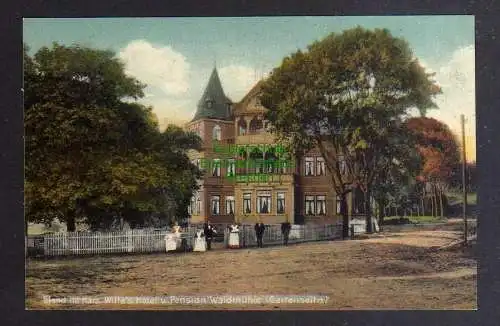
(129, 241)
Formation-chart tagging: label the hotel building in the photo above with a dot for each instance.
(276, 189)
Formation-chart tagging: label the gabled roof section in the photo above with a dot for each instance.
(213, 104)
(242, 106)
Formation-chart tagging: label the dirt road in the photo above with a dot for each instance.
(394, 271)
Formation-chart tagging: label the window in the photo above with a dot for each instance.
(284, 165)
(191, 207)
(216, 168)
(320, 166)
(339, 202)
(198, 205)
(247, 203)
(342, 165)
(230, 205)
(230, 168)
(321, 205)
(270, 165)
(263, 202)
(281, 203)
(310, 205)
(194, 207)
(210, 103)
(309, 166)
(259, 165)
(201, 164)
(215, 205)
(216, 133)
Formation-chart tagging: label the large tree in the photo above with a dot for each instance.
(395, 180)
(344, 95)
(92, 154)
(440, 153)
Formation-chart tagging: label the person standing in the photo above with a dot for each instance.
(260, 234)
(199, 242)
(285, 231)
(234, 237)
(256, 228)
(209, 234)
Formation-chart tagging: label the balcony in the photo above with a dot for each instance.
(224, 143)
(263, 179)
(255, 138)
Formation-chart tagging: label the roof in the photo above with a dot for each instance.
(254, 92)
(213, 104)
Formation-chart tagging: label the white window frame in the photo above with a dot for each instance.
(230, 203)
(309, 162)
(231, 168)
(216, 167)
(217, 133)
(215, 203)
(320, 162)
(342, 165)
(262, 198)
(280, 197)
(311, 201)
(320, 203)
(247, 203)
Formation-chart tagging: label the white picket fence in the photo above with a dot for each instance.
(89, 243)
(299, 233)
(149, 241)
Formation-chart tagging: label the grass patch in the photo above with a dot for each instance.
(414, 219)
(456, 198)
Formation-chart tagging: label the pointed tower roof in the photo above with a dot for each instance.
(213, 104)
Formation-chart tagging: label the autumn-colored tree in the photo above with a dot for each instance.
(440, 152)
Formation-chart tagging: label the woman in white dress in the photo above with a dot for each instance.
(199, 241)
(173, 239)
(234, 237)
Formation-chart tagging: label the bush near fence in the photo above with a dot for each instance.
(150, 240)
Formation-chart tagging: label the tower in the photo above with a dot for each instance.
(213, 122)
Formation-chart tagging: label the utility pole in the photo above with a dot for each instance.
(464, 179)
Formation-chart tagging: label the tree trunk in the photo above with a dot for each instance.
(345, 216)
(432, 203)
(441, 202)
(434, 197)
(70, 222)
(381, 213)
(368, 211)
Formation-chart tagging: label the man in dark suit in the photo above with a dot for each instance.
(256, 228)
(209, 234)
(285, 231)
(259, 230)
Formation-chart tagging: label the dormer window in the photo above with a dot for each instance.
(210, 103)
(216, 134)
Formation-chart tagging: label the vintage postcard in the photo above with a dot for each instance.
(250, 163)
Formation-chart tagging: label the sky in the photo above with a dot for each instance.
(175, 56)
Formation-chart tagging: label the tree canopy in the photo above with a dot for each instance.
(93, 154)
(348, 95)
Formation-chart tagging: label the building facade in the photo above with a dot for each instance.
(248, 176)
